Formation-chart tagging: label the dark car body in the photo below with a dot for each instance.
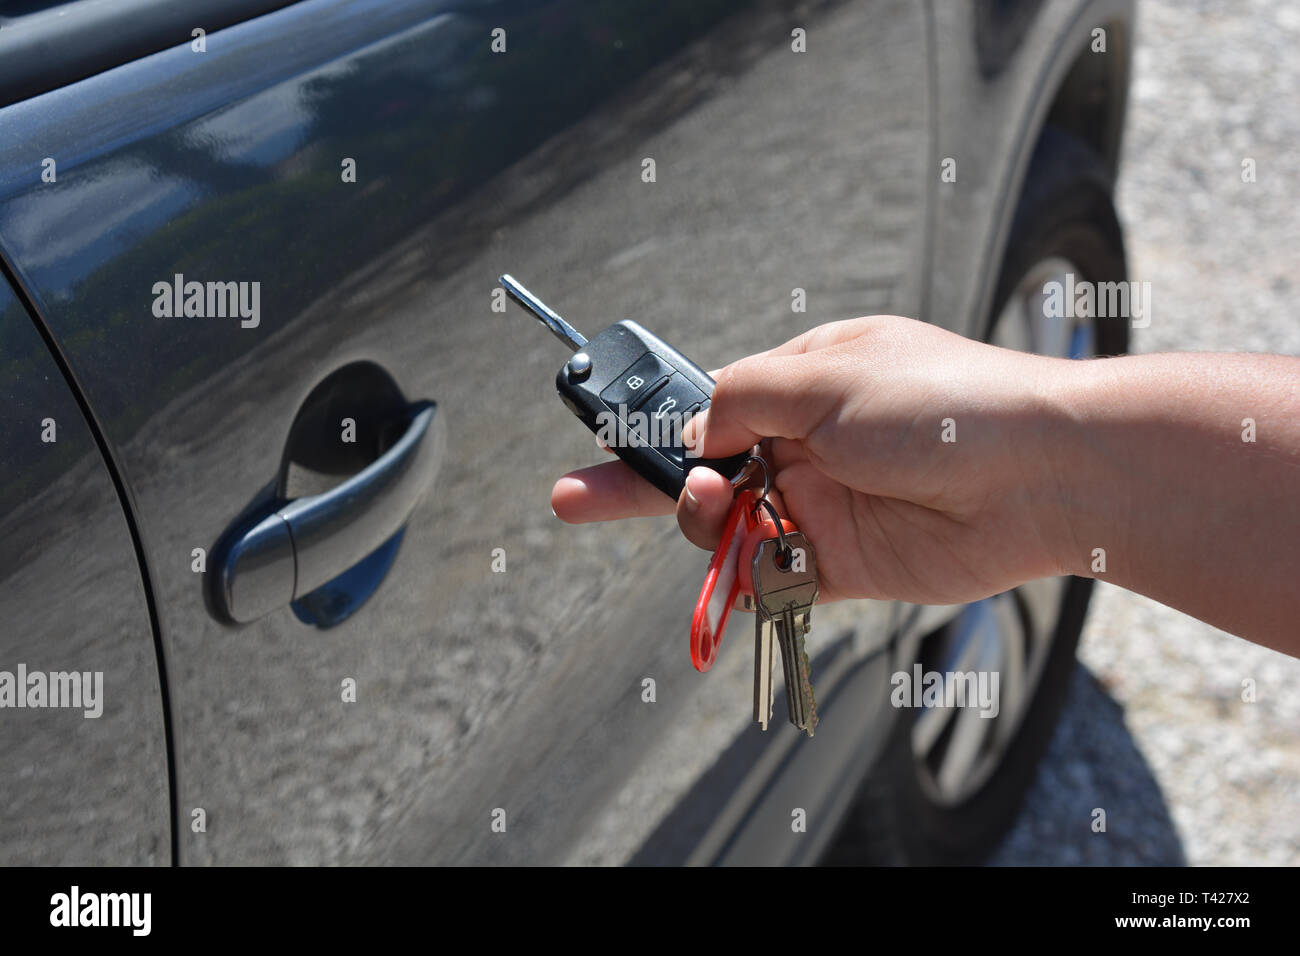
(499, 667)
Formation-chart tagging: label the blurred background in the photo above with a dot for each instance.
(1155, 730)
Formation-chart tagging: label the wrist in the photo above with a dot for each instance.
(1078, 504)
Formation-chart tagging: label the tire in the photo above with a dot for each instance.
(1065, 213)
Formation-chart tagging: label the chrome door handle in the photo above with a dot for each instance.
(310, 541)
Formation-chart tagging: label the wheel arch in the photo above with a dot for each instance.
(1092, 99)
(1081, 92)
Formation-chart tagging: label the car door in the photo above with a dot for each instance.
(271, 265)
(83, 739)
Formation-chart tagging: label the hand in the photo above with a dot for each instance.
(856, 412)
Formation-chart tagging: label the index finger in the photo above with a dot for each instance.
(606, 492)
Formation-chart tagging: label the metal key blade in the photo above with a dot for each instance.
(800, 702)
(764, 648)
(784, 594)
(546, 315)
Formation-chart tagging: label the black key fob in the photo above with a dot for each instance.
(635, 392)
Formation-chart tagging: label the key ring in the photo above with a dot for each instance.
(747, 472)
(783, 549)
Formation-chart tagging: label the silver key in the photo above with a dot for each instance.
(785, 590)
(764, 651)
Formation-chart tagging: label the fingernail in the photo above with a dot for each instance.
(692, 503)
(553, 514)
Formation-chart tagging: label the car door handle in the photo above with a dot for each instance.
(310, 541)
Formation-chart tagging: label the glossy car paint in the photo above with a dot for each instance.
(81, 785)
(476, 690)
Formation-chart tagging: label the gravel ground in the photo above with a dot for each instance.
(1156, 731)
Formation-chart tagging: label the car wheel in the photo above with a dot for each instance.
(950, 781)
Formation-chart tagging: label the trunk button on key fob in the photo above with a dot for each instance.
(675, 397)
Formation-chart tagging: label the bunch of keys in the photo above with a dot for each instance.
(630, 377)
(773, 566)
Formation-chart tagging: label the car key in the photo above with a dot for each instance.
(782, 577)
(635, 392)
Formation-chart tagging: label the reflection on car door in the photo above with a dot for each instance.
(82, 738)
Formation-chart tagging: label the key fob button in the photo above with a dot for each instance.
(672, 399)
(658, 417)
(665, 412)
(647, 394)
(637, 382)
(676, 453)
(579, 367)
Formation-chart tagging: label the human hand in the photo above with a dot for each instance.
(856, 414)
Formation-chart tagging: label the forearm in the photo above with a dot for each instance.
(1155, 467)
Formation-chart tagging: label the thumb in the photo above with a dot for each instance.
(762, 396)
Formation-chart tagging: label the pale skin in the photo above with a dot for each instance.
(1142, 457)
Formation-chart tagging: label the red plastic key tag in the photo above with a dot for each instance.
(721, 583)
